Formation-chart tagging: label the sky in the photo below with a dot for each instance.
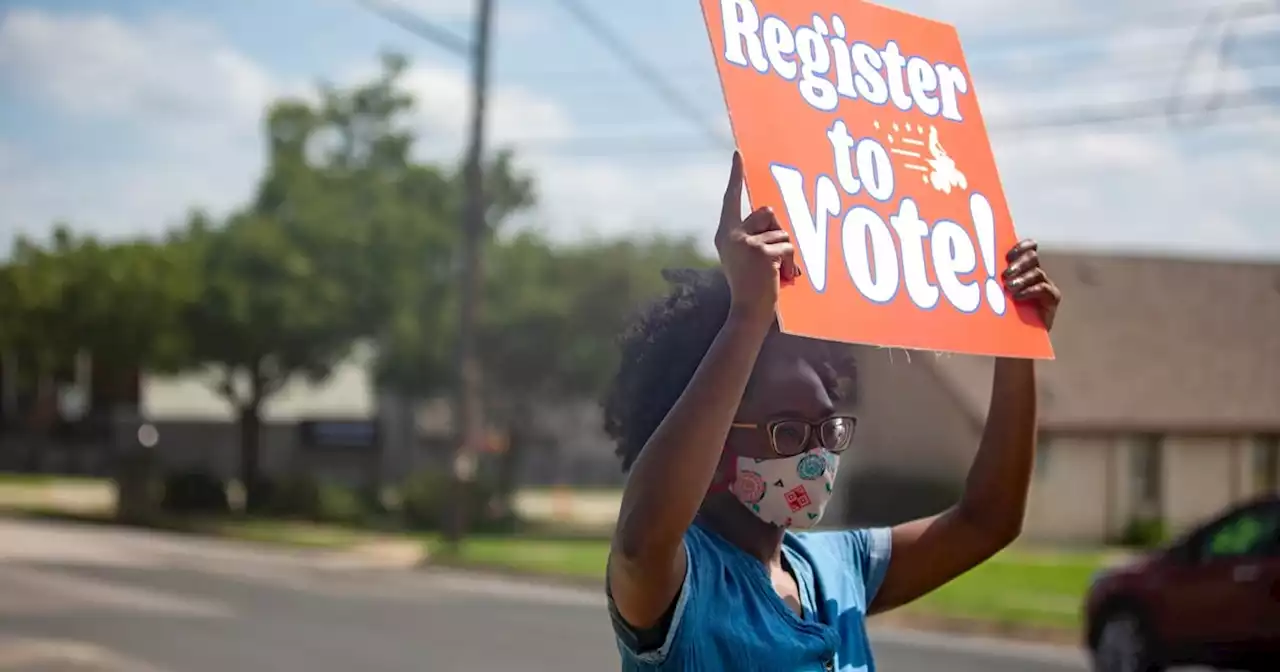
(119, 117)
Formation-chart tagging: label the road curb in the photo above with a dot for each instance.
(1063, 642)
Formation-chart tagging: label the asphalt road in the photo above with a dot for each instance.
(91, 600)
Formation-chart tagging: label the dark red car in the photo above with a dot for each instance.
(1212, 598)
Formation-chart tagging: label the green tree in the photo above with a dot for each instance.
(267, 311)
(117, 301)
(38, 327)
(125, 301)
(552, 319)
(348, 238)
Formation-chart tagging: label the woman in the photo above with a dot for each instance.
(732, 432)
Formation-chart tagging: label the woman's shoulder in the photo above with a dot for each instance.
(849, 545)
(860, 555)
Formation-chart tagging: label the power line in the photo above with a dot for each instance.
(1227, 19)
(1041, 42)
(656, 81)
(1038, 122)
(420, 27)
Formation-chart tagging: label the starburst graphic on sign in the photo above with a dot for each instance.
(927, 157)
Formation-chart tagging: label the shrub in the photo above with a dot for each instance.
(305, 498)
(194, 492)
(1144, 533)
(426, 498)
(338, 504)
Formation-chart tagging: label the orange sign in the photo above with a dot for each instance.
(860, 126)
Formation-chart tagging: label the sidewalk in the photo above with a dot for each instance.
(27, 654)
(72, 495)
(68, 542)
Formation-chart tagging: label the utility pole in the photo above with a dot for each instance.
(469, 404)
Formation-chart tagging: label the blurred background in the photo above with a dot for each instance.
(306, 308)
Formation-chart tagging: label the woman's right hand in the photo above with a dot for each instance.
(756, 253)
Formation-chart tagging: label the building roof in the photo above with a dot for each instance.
(1151, 344)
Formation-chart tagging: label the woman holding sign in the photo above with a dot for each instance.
(732, 432)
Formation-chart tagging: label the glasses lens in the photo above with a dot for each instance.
(837, 433)
(790, 437)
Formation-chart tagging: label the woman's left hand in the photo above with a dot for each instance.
(1029, 283)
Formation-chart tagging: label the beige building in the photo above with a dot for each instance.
(1163, 402)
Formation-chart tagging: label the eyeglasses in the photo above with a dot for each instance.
(791, 437)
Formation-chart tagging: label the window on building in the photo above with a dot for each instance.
(1266, 463)
(1147, 474)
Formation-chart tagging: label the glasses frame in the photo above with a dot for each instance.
(770, 429)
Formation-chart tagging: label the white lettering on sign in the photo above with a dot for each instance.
(872, 252)
(810, 226)
(809, 54)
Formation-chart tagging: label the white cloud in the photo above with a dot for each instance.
(183, 86)
(456, 16)
(187, 106)
(514, 113)
(169, 70)
(436, 9)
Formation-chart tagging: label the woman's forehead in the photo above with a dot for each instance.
(781, 350)
(785, 374)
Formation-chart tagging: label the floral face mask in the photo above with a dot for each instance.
(789, 492)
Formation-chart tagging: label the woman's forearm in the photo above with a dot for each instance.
(995, 496)
(671, 475)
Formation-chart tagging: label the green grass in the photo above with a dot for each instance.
(16, 479)
(1019, 587)
(292, 533)
(582, 558)
(1022, 587)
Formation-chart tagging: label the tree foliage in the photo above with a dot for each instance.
(349, 237)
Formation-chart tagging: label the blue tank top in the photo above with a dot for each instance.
(729, 616)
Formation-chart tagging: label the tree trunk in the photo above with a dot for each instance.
(250, 456)
(518, 439)
(41, 421)
(135, 474)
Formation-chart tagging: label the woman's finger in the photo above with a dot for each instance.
(760, 221)
(1043, 290)
(1024, 263)
(780, 250)
(731, 209)
(1033, 277)
(1021, 248)
(770, 237)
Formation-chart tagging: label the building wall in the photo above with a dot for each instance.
(348, 392)
(907, 418)
(197, 426)
(909, 425)
(1086, 489)
(1203, 476)
(1075, 491)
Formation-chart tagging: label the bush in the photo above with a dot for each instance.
(426, 499)
(306, 498)
(194, 492)
(338, 504)
(1144, 533)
